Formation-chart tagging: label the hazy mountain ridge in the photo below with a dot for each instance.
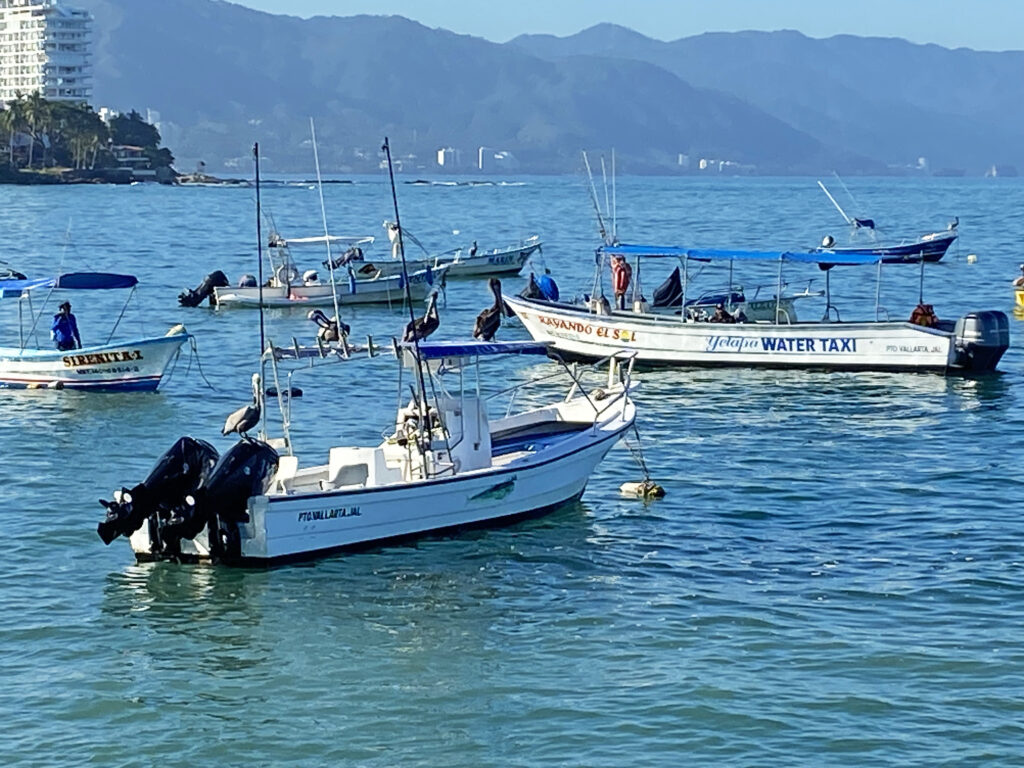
(222, 75)
(882, 97)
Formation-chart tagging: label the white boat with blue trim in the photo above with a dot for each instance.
(137, 365)
(446, 464)
(771, 334)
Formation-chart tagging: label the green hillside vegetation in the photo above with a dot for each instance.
(58, 138)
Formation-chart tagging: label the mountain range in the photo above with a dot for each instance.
(220, 76)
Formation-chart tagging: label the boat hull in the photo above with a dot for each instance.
(930, 248)
(286, 527)
(133, 366)
(661, 341)
(508, 261)
(382, 290)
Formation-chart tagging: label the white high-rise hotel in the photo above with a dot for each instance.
(47, 48)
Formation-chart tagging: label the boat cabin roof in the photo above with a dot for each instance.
(70, 281)
(442, 350)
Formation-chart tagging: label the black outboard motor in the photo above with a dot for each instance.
(355, 253)
(178, 473)
(190, 298)
(247, 281)
(981, 338)
(669, 293)
(245, 470)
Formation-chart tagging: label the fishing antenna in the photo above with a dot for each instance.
(327, 236)
(259, 243)
(593, 199)
(424, 413)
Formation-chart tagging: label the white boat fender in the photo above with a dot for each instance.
(55, 385)
(646, 490)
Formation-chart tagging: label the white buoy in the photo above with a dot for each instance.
(647, 489)
(972, 258)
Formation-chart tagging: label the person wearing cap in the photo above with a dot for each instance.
(721, 316)
(65, 329)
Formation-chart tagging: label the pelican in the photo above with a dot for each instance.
(488, 321)
(328, 328)
(246, 417)
(419, 329)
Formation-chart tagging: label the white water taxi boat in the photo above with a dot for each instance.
(122, 366)
(974, 342)
(446, 464)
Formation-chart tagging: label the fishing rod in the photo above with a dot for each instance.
(259, 256)
(424, 426)
(327, 236)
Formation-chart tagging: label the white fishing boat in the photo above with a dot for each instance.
(464, 262)
(685, 337)
(447, 463)
(345, 292)
(113, 366)
(355, 253)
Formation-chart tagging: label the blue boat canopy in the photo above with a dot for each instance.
(736, 254)
(70, 281)
(437, 350)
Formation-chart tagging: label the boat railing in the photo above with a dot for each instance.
(620, 364)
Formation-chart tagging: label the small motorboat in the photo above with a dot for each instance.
(122, 366)
(446, 463)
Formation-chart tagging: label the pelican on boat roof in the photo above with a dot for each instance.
(134, 365)
(445, 464)
(765, 333)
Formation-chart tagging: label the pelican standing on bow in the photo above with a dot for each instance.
(246, 417)
(420, 328)
(330, 330)
(488, 321)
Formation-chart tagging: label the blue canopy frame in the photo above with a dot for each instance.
(70, 281)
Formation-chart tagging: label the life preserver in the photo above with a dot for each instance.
(621, 274)
(286, 274)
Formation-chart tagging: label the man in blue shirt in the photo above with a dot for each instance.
(65, 328)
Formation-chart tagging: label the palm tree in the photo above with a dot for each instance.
(37, 117)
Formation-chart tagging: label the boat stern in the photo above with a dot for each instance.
(980, 339)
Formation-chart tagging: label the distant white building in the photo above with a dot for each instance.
(496, 160)
(449, 158)
(45, 47)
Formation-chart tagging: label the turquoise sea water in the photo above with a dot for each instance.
(835, 577)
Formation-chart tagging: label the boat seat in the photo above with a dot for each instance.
(347, 466)
(287, 466)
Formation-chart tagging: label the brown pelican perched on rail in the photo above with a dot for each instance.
(330, 330)
(420, 328)
(488, 321)
(246, 417)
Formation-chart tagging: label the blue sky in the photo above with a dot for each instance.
(992, 25)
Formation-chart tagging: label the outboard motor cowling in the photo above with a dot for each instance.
(178, 473)
(193, 298)
(980, 340)
(221, 503)
(247, 281)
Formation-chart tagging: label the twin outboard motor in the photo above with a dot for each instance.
(193, 298)
(191, 489)
(220, 504)
(981, 338)
(177, 474)
(669, 293)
